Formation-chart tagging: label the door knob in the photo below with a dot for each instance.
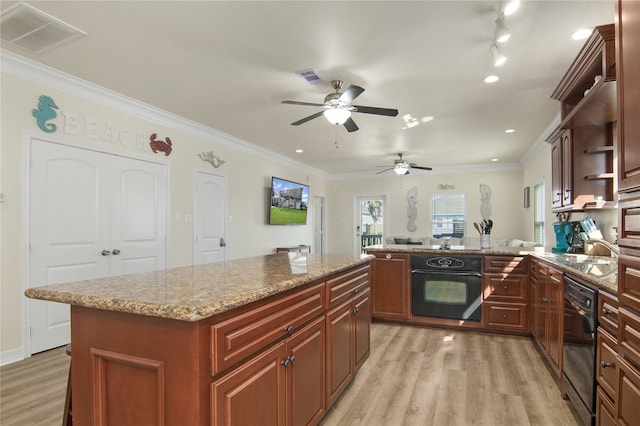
(115, 252)
(222, 242)
(105, 252)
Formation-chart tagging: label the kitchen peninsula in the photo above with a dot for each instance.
(275, 338)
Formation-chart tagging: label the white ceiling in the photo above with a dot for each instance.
(228, 65)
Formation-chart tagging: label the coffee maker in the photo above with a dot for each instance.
(563, 230)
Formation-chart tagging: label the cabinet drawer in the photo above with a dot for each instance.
(629, 281)
(504, 287)
(506, 316)
(608, 312)
(505, 264)
(629, 336)
(604, 409)
(245, 334)
(344, 287)
(607, 360)
(629, 226)
(628, 402)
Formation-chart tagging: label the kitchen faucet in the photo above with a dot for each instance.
(613, 250)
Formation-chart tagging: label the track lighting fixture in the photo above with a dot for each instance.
(511, 7)
(502, 32)
(498, 58)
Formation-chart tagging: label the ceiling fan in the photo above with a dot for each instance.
(401, 167)
(337, 107)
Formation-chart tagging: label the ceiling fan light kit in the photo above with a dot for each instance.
(401, 167)
(337, 107)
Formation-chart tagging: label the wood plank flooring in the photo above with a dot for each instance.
(414, 376)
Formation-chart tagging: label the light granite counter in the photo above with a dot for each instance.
(192, 293)
(596, 270)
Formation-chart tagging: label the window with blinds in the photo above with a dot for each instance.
(448, 216)
(538, 213)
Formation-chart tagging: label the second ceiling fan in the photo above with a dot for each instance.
(337, 107)
(401, 166)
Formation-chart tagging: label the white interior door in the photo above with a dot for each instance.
(209, 218)
(319, 224)
(138, 216)
(78, 216)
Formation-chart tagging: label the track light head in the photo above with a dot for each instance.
(502, 32)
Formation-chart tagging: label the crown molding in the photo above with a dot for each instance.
(43, 75)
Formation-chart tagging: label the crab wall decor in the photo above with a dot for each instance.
(160, 145)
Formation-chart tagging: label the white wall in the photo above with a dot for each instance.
(248, 169)
(506, 202)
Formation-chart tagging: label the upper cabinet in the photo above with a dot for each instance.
(628, 60)
(583, 146)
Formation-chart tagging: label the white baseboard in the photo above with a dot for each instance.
(9, 357)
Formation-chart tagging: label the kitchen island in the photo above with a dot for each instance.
(275, 338)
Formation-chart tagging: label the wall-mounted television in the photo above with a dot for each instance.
(289, 201)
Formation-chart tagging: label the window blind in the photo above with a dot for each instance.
(448, 216)
(538, 213)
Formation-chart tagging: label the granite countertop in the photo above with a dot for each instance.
(192, 293)
(599, 271)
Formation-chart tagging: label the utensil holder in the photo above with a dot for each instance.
(485, 241)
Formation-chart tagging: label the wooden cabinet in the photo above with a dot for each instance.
(608, 312)
(390, 286)
(547, 312)
(286, 381)
(348, 322)
(583, 146)
(505, 294)
(628, 69)
(562, 171)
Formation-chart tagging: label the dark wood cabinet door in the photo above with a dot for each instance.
(339, 350)
(556, 174)
(555, 310)
(253, 394)
(567, 168)
(628, 401)
(390, 284)
(628, 78)
(306, 375)
(362, 324)
(605, 410)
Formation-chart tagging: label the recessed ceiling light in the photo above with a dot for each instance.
(511, 7)
(491, 79)
(494, 160)
(582, 33)
(299, 151)
(427, 118)
(509, 130)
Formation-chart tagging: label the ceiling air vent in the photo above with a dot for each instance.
(31, 29)
(310, 76)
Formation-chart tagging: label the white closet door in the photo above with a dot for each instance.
(69, 205)
(138, 216)
(84, 205)
(209, 220)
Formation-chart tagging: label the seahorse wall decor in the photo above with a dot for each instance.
(45, 112)
(412, 211)
(160, 145)
(485, 197)
(212, 159)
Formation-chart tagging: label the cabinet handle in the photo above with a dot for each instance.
(105, 252)
(354, 311)
(291, 359)
(605, 311)
(605, 364)
(545, 300)
(388, 256)
(355, 291)
(504, 316)
(288, 329)
(285, 362)
(506, 287)
(115, 252)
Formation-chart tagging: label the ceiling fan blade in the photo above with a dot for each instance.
(304, 120)
(351, 93)
(421, 168)
(385, 170)
(350, 125)
(378, 111)
(302, 103)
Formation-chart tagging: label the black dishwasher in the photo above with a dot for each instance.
(579, 347)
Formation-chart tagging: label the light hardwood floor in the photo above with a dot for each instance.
(414, 376)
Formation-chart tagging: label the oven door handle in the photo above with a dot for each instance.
(447, 272)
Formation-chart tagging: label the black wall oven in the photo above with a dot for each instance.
(446, 287)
